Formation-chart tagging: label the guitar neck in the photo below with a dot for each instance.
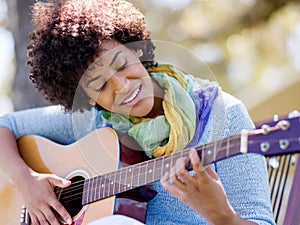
(147, 172)
(272, 139)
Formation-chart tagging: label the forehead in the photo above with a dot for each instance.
(110, 52)
(109, 48)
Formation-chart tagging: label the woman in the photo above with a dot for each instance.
(96, 59)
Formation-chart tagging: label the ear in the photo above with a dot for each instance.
(139, 53)
(92, 102)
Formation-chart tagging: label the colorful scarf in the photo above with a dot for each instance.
(187, 104)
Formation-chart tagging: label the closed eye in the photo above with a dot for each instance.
(122, 66)
(102, 87)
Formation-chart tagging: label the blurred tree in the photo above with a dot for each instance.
(227, 34)
(24, 94)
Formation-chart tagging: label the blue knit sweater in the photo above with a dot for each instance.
(244, 177)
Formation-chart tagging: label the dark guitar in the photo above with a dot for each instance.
(92, 164)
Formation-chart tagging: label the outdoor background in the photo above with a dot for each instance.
(251, 46)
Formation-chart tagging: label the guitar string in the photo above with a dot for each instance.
(79, 186)
(68, 198)
(142, 164)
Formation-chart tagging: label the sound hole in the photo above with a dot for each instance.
(71, 197)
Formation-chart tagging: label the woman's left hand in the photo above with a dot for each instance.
(202, 191)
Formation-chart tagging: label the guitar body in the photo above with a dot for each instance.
(87, 158)
(92, 164)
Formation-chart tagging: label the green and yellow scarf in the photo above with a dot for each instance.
(174, 130)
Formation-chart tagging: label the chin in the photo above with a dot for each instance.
(140, 113)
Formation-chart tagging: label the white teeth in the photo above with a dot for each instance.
(132, 97)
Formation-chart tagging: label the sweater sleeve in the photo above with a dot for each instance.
(53, 123)
(245, 177)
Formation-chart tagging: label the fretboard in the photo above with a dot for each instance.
(147, 172)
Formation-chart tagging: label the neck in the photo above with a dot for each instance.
(157, 109)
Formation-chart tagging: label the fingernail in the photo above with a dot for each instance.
(193, 151)
(69, 221)
(66, 182)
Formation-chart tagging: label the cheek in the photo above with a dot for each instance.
(105, 100)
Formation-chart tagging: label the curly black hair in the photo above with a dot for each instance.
(68, 36)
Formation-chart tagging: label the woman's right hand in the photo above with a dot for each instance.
(39, 198)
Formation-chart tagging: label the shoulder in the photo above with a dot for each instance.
(228, 116)
(236, 111)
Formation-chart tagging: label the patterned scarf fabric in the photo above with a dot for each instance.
(187, 104)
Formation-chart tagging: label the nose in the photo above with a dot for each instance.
(119, 82)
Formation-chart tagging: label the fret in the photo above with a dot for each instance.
(100, 186)
(118, 181)
(208, 152)
(114, 183)
(126, 181)
(142, 173)
(146, 172)
(167, 164)
(235, 147)
(134, 176)
(154, 170)
(84, 193)
(227, 146)
(107, 184)
(96, 180)
(110, 183)
(89, 183)
(161, 165)
(104, 193)
(131, 177)
(203, 155)
(222, 150)
(92, 189)
(171, 162)
(138, 176)
(215, 151)
(96, 188)
(88, 190)
(150, 171)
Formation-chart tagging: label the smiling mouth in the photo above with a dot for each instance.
(133, 96)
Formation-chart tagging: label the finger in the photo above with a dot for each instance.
(165, 178)
(34, 219)
(180, 168)
(40, 219)
(196, 163)
(59, 182)
(60, 209)
(181, 172)
(50, 217)
(169, 187)
(55, 204)
(175, 180)
(212, 173)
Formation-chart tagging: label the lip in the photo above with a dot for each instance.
(131, 98)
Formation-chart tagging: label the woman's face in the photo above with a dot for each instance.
(118, 81)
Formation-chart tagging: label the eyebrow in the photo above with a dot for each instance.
(97, 77)
(92, 80)
(115, 57)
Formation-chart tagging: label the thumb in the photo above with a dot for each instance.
(59, 182)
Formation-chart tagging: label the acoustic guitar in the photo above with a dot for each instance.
(92, 164)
